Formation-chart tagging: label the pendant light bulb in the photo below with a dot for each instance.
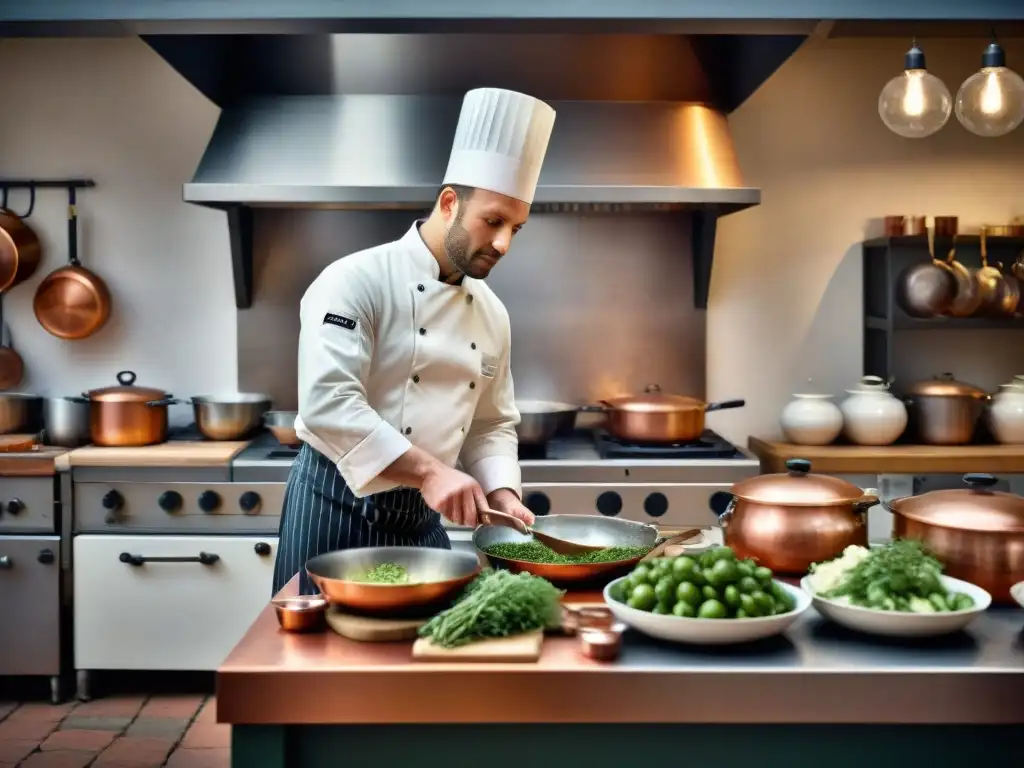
(991, 101)
(915, 104)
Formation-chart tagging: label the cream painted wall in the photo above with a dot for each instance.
(786, 287)
(112, 110)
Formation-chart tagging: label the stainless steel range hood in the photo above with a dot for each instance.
(366, 121)
(368, 151)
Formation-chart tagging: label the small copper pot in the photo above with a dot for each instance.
(20, 250)
(127, 415)
(658, 419)
(977, 533)
(790, 520)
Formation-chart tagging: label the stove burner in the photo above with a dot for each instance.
(710, 446)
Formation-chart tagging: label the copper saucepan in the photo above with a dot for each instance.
(72, 302)
(657, 418)
(976, 532)
(20, 249)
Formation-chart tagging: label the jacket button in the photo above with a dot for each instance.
(473, 345)
(423, 331)
(416, 379)
(472, 385)
(408, 430)
(469, 298)
(420, 288)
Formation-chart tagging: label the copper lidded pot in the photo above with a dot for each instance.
(788, 521)
(945, 411)
(658, 418)
(127, 415)
(976, 532)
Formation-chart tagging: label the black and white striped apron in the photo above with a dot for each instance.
(321, 514)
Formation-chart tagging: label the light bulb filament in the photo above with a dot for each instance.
(913, 98)
(992, 95)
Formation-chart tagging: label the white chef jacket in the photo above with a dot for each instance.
(390, 357)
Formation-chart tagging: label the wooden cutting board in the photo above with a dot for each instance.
(521, 648)
(206, 453)
(367, 629)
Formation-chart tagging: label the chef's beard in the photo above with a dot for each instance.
(457, 249)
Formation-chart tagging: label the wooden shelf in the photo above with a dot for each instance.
(892, 459)
(904, 322)
(993, 241)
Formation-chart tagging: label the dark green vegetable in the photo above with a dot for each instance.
(385, 573)
(900, 576)
(497, 604)
(535, 552)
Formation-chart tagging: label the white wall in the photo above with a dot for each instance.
(786, 288)
(113, 110)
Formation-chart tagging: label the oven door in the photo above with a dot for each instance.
(167, 602)
(30, 605)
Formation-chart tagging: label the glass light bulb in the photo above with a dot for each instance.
(915, 104)
(991, 102)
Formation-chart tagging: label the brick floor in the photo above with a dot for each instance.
(175, 731)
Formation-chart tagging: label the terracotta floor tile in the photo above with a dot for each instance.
(172, 706)
(206, 735)
(200, 758)
(161, 727)
(135, 751)
(24, 730)
(114, 706)
(13, 750)
(208, 714)
(58, 759)
(42, 713)
(81, 741)
(76, 723)
(6, 707)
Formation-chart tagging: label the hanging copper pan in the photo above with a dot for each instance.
(20, 249)
(72, 302)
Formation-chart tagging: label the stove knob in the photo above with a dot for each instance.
(170, 501)
(262, 548)
(208, 501)
(250, 502)
(46, 556)
(15, 507)
(538, 503)
(113, 501)
(609, 503)
(656, 505)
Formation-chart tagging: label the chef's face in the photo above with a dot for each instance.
(480, 228)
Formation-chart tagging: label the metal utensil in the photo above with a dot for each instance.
(967, 298)
(229, 416)
(12, 367)
(552, 542)
(926, 289)
(16, 412)
(282, 426)
(657, 418)
(540, 420)
(436, 576)
(66, 421)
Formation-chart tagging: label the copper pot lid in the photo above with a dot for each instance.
(797, 488)
(127, 392)
(944, 385)
(655, 401)
(974, 508)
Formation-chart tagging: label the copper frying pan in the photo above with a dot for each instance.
(12, 367)
(20, 249)
(72, 302)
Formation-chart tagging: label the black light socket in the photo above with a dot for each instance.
(914, 58)
(994, 56)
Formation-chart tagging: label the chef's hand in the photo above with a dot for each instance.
(453, 494)
(505, 500)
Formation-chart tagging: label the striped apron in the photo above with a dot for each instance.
(321, 514)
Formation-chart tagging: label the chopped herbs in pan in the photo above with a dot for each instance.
(535, 552)
(385, 573)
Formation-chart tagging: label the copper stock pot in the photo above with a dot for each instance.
(127, 415)
(790, 520)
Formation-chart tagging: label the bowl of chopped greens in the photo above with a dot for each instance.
(896, 590)
(712, 599)
(520, 553)
(393, 581)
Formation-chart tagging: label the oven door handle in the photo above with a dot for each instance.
(204, 558)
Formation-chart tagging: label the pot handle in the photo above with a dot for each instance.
(725, 404)
(798, 467)
(165, 401)
(600, 407)
(722, 504)
(126, 378)
(979, 481)
(868, 500)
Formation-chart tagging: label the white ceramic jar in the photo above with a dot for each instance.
(872, 415)
(1006, 414)
(811, 420)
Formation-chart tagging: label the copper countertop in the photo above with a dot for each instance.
(816, 674)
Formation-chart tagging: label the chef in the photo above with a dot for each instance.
(404, 360)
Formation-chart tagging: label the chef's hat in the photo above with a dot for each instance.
(500, 142)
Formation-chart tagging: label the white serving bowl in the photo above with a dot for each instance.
(897, 623)
(676, 629)
(1017, 593)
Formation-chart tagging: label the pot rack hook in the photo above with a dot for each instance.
(31, 201)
